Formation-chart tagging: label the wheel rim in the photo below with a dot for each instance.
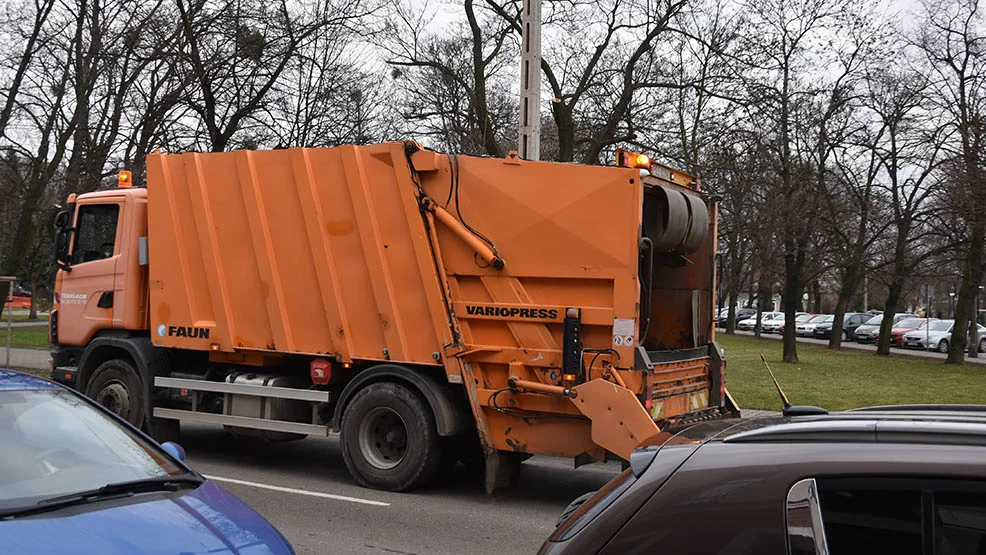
(383, 438)
(115, 397)
(943, 347)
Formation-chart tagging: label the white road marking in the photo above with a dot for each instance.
(300, 491)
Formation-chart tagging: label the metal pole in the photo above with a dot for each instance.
(927, 316)
(10, 314)
(866, 294)
(530, 81)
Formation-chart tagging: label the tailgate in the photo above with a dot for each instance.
(687, 382)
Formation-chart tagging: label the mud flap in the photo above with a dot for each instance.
(502, 470)
(619, 422)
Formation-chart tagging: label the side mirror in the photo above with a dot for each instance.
(63, 231)
(173, 449)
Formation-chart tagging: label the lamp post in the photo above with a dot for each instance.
(951, 303)
(530, 81)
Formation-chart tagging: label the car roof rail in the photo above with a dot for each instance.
(864, 430)
(931, 407)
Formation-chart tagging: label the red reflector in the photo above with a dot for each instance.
(647, 404)
(321, 371)
(183, 392)
(58, 297)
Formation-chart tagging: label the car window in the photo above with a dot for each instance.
(875, 321)
(859, 521)
(940, 325)
(960, 523)
(95, 237)
(910, 323)
(894, 515)
(52, 443)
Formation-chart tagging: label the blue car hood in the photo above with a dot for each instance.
(206, 520)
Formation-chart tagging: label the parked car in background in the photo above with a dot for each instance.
(807, 329)
(906, 479)
(850, 322)
(936, 336)
(76, 478)
(904, 326)
(774, 324)
(800, 318)
(868, 332)
(741, 314)
(749, 323)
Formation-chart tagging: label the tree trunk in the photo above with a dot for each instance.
(965, 305)
(887, 324)
(793, 269)
(566, 131)
(34, 298)
(849, 284)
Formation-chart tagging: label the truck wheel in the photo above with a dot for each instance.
(116, 385)
(943, 346)
(389, 438)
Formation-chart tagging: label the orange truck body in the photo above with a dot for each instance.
(565, 309)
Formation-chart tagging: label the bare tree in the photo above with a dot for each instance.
(951, 40)
(909, 149)
(45, 118)
(237, 52)
(456, 82)
(786, 37)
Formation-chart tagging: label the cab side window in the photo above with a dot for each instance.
(95, 237)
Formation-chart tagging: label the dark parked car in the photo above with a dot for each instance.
(741, 314)
(75, 478)
(902, 480)
(852, 321)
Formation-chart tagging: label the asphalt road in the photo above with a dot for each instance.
(321, 510)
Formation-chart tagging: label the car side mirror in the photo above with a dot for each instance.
(805, 532)
(173, 449)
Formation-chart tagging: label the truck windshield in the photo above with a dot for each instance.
(54, 443)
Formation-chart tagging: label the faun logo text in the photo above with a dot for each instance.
(184, 331)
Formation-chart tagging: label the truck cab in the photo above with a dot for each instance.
(101, 284)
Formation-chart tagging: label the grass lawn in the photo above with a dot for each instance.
(31, 337)
(24, 318)
(842, 379)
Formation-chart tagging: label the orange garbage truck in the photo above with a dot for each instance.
(430, 308)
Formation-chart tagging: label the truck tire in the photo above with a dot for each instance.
(116, 385)
(389, 438)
